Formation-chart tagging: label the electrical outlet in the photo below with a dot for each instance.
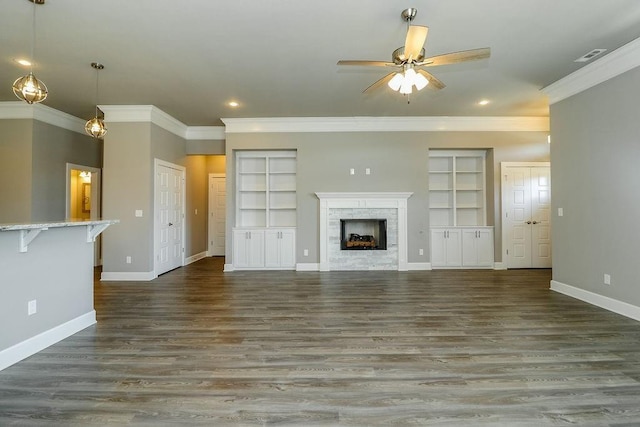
(352, 171)
(139, 213)
(306, 252)
(367, 171)
(421, 251)
(128, 260)
(560, 212)
(32, 307)
(607, 279)
(196, 211)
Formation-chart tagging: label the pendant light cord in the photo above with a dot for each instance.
(33, 37)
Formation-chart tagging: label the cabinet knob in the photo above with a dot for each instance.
(535, 222)
(170, 224)
(528, 222)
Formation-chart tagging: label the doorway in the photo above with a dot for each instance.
(217, 214)
(169, 196)
(526, 214)
(83, 195)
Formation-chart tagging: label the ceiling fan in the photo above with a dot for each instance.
(409, 59)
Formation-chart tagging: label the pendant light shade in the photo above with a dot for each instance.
(96, 127)
(29, 88)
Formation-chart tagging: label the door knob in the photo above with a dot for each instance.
(170, 224)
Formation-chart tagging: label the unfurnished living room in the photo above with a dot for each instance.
(319, 213)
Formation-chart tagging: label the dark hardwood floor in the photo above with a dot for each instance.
(453, 348)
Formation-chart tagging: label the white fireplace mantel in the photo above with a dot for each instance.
(357, 200)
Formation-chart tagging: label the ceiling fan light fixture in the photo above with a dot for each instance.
(396, 82)
(420, 81)
(406, 87)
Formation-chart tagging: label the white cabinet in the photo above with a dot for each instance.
(248, 248)
(266, 210)
(262, 249)
(445, 247)
(462, 247)
(280, 248)
(477, 247)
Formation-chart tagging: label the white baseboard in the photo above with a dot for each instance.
(194, 258)
(131, 276)
(616, 306)
(31, 346)
(228, 268)
(418, 266)
(308, 266)
(499, 266)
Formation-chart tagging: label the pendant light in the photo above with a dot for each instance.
(29, 88)
(95, 127)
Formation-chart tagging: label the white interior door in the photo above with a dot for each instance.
(169, 217)
(217, 214)
(526, 216)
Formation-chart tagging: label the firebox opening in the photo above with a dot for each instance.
(363, 234)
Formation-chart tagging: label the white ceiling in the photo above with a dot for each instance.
(278, 58)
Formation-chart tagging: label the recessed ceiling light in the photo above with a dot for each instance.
(483, 102)
(23, 62)
(232, 104)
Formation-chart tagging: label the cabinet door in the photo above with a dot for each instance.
(248, 248)
(484, 246)
(477, 247)
(280, 248)
(438, 248)
(454, 248)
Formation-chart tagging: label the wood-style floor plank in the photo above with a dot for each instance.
(444, 348)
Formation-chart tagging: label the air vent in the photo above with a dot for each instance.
(590, 55)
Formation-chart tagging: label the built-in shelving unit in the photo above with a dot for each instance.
(457, 188)
(266, 206)
(460, 237)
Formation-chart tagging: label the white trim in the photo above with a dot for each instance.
(40, 112)
(33, 345)
(499, 266)
(373, 200)
(127, 276)
(194, 258)
(385, 124)
(228, 268)
(205, 132)
(616, 306)
(308, 266)
(152, 114)
(419, 266)
(211, 214)
(609, 66)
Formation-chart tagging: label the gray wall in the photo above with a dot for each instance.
(33, 158)
(57, 271)
(595, 153)
(398, 162)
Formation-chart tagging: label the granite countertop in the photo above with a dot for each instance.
(55, 224)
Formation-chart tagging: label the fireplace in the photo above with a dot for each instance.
(370, 208)
(363, 234)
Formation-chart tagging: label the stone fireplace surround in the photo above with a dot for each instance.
(389, 205)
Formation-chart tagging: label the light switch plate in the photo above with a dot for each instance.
(139, 213)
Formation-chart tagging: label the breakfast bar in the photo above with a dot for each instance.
(46, 284)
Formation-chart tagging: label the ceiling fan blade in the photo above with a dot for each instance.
(434, 83)
(367, 63)
(416, 36)
(456, 57)
(379, 82)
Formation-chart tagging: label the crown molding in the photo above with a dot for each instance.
(609, 66)
(40, 112)
(205, 132)
(152, 114)
(386, 124)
